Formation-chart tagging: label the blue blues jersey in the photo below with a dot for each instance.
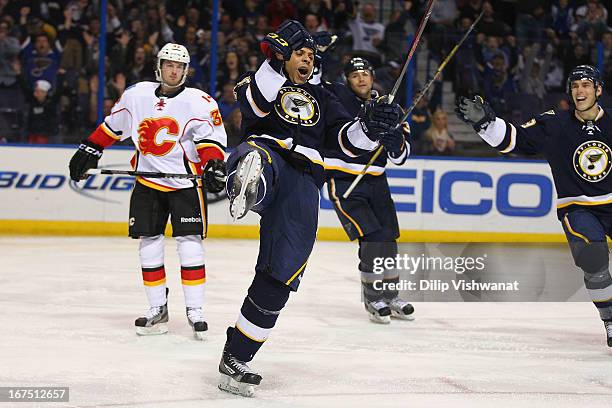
(577, 151)
(298, 121)
(339, 164)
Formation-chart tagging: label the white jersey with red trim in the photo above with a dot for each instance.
(167, 131)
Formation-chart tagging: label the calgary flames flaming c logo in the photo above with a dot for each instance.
(147, 132)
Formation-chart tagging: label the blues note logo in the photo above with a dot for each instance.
(296, 105)
(592, 160)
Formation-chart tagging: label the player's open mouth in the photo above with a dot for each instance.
(581, 98)
(303, 71)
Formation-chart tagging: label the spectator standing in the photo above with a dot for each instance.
(9, 49)
(367, 33)
(41, 61)
(42, 119)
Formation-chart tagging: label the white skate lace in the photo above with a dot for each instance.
(608, 328)
(398, 303)
(378, 304)
(239, 365)
(195, 314)
(152, 312)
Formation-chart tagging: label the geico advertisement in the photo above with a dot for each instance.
(492, 195)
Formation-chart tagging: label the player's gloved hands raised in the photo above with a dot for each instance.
(324, 41)
(393, 141)
(477, 112)
(215, 175)
(86, 157)
(378, 116)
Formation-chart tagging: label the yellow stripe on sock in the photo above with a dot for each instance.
(193, 282)
(155, 283)
(243, 332)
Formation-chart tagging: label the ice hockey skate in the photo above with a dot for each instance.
(608, 326)
(155, 321)
(243, 195)
(400, 309)
(195, 317)
(378, 311)
(236, 377)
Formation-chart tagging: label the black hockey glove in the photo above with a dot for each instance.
(214, 175)
(393, 141)
(290, 36)
(86, 157)
(476, 112)
(324, 41)
(378, 116)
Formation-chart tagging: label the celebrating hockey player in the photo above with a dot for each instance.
(576, 145)
(277, 172)
(175, 129)
(368, 214)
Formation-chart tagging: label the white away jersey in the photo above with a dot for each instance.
(167, 132)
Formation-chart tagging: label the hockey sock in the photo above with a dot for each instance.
(593, 259)
(373, 275)
(151, 253)
(391, 276)
(193, 270)
(390, 283)
(265, 299)
(599, 287)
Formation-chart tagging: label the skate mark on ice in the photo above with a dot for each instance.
(600, 383)
(454, 384)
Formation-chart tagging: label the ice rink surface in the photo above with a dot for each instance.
(68, 307)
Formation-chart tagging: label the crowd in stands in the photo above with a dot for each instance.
(518, 57)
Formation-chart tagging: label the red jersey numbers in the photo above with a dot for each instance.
(148, 130)
(216, 117)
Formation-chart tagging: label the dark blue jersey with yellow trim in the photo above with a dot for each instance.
(339, 164)
(577, 151)
(297, 120)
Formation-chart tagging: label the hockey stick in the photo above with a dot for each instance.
(415, 102)
(413, 47)
(147, 174)
(391, 96)
(440, 68)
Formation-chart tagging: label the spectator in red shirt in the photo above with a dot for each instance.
(279, 11)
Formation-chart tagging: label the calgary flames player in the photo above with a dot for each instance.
(175, 129)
